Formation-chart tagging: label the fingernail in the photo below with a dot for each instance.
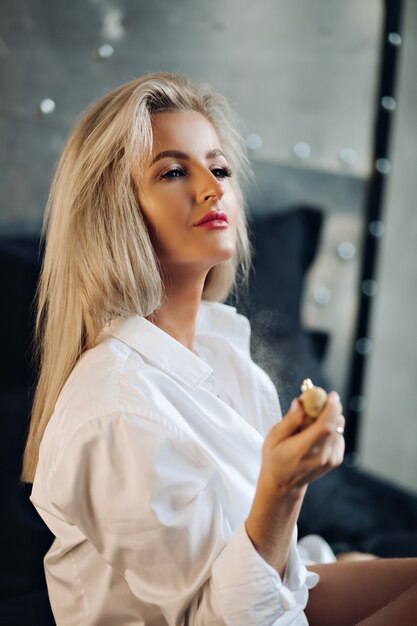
(295, 406)
(334, 395)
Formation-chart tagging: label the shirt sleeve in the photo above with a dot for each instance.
(145, 498)
(314, 549)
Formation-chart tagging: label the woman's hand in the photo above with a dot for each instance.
(292, 457)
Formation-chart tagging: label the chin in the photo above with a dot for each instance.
(226, 249)
(225, 255)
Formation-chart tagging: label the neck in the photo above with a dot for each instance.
(178, 313)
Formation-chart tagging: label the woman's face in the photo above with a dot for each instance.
(187, 179)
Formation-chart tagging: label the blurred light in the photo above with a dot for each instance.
(363, 345)
(394, 39)
(388, 103)
(46, 106)
(254, 141)
(369, 287)
(376, 228)
(322, 295)
(302, 150)
(346, 250)
(348, 156)
(383, 166)
(104, 52)
(113, 26)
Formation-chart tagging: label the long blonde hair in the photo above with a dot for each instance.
(99, 262)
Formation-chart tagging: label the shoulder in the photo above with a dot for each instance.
(91, 390)
(110, 384)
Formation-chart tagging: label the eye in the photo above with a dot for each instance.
(173, 174)
(222, 172)
(179, 172)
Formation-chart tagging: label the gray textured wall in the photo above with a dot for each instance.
(298, 71)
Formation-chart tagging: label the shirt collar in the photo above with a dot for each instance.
(219, 319)
(159, 348)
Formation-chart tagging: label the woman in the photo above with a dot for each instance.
(156, 449)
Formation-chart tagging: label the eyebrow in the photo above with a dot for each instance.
(211, 154)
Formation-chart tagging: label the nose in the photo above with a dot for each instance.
(209, 188)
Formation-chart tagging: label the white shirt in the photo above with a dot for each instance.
(147, 471)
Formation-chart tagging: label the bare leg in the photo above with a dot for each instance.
(380, 592)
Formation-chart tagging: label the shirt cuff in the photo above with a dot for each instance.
(314, 549)
(249, 591)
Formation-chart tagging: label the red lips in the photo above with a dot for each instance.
(212, 215)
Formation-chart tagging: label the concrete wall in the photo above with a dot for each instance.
(297, 71)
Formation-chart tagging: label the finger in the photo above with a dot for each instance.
(340, 424)
(339, 429)
(338, 450)
(328, 455)
(315, 467)
(290, 423)
(307, 475)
